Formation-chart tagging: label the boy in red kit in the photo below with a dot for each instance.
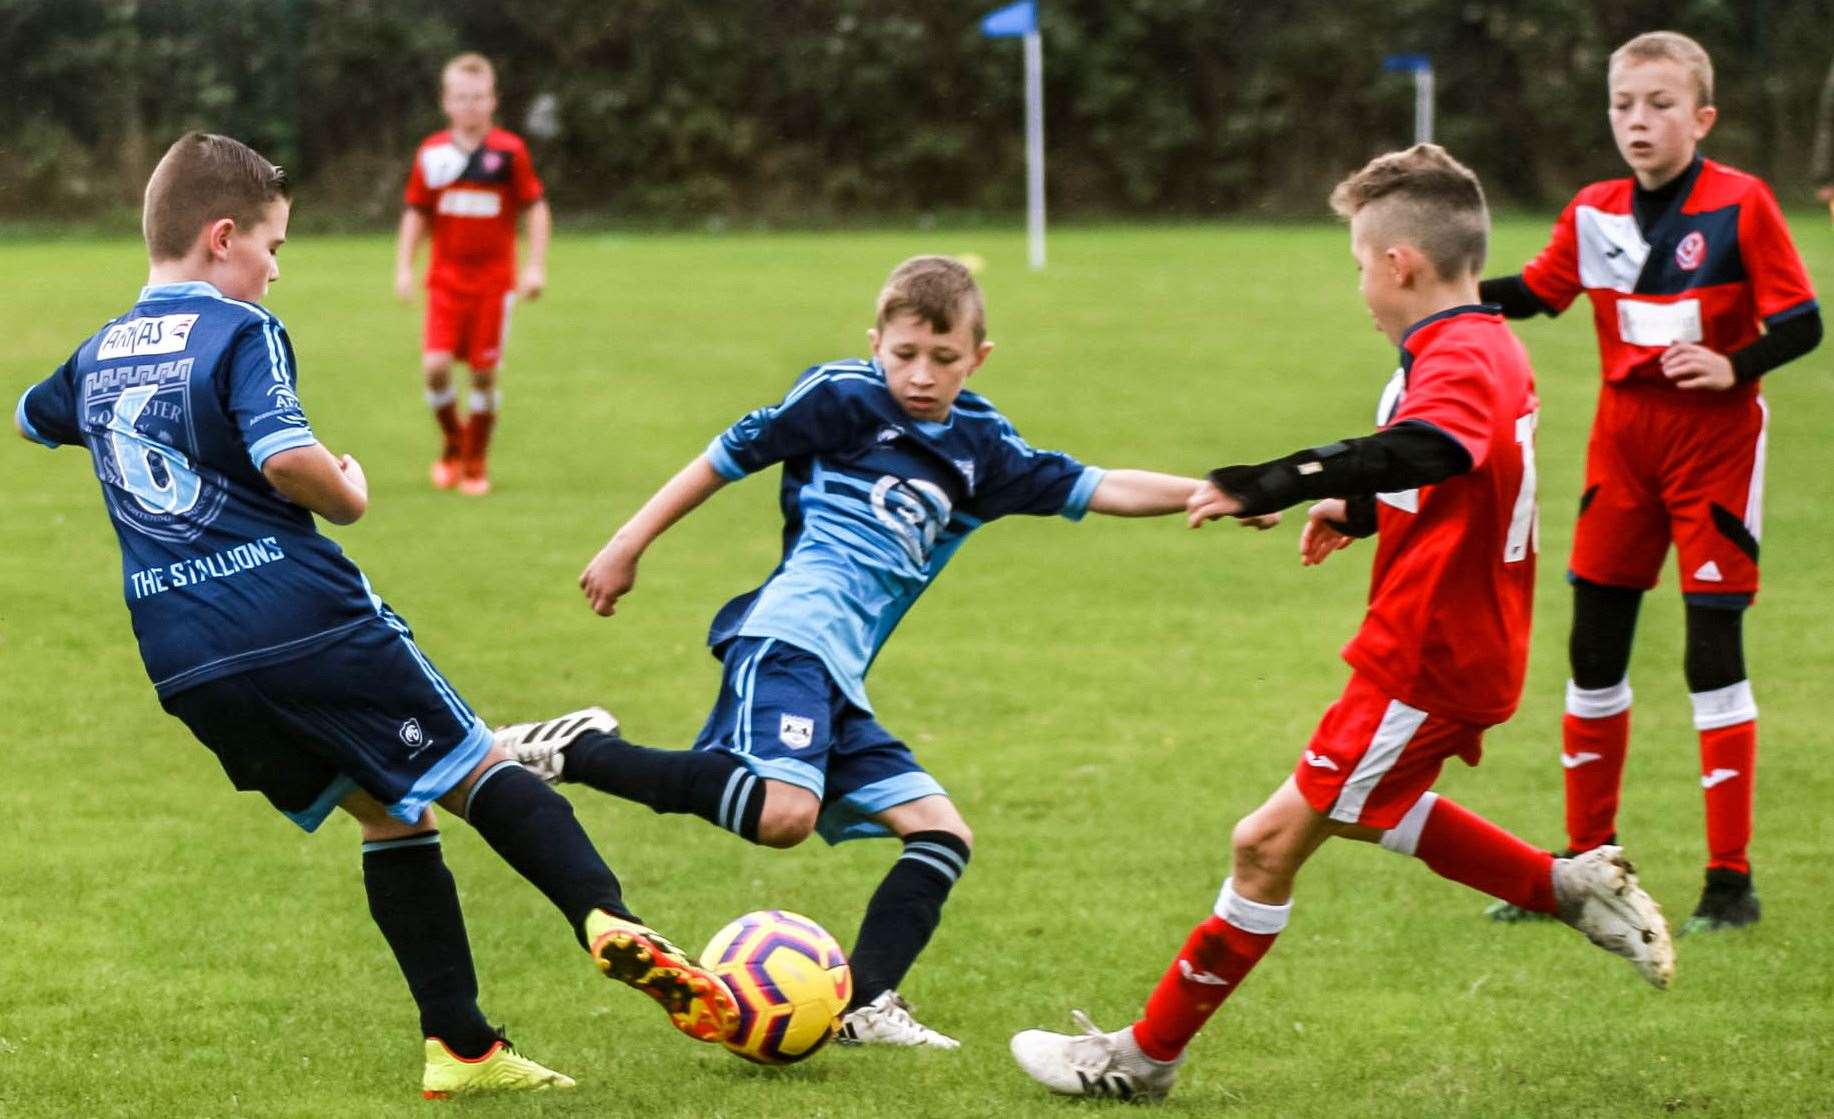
(468, 184)
(1696, 293)
(1448, 482)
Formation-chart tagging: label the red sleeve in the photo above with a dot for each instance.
(417, 195)
(523, 181)
(1554, 275)
(1779, 283)
(1450, 387)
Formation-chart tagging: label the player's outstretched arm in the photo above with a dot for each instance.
(408, 236)
(1141, 493)
(613, 571)
(334, 488)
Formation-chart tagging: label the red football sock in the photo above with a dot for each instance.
(1728, 757)
(445, 413)
(1595, 737)
(482, 422)
(1457, 843)
(1212, 964)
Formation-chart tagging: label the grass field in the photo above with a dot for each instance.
(1103, 699)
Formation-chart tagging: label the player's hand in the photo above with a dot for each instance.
(609, 577)
(534, 281)
(1691, 366)
(404, 284)
(1207, 503)
(353, 473)
(1321, 536)
(1261, 523)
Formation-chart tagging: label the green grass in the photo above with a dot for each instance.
(1104, 700)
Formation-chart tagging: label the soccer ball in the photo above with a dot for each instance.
(790, 979)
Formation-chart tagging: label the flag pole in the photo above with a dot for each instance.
(1034, 146)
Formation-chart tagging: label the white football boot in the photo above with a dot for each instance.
(887, 1020)
(537, 746)
(1093, 1063)
(1599, 895)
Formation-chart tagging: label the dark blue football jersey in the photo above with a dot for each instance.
(180, 401)
(874, 503)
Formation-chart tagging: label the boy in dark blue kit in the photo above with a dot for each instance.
(888, 465)
(270, 645)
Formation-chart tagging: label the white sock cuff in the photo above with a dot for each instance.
(485, 400)
(1404, 837)
(1598, 703)
(439, 398)
(1724, 707)
(1250, 916)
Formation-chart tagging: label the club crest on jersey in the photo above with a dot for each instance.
(1691, 251)
(491, 161)
(796, 731)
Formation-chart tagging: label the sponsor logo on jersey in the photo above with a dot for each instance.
(796, 731)
(1717, 777)
(1319, 761)
(1574, 761)
(1691, 251)
(888, 433)
(966, 466)
(471, 203)
(1708, 572)
(1192, 974)
(162, 334)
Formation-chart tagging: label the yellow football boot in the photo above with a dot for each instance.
(499, 1070)
(698, 1003)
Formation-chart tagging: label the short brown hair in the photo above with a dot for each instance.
(1430, 200)
(935, 289)
(1671, 46)
(201, 178)
(471, 62)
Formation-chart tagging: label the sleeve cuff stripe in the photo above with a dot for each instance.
(723, 463)
(270, 445)
(25, 424)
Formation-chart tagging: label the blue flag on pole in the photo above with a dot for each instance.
(1012, 21)
(1407, 63)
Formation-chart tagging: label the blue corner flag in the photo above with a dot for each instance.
(1012, 21)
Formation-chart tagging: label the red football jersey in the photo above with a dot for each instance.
(1452, 590)
(472, 199)
(1709, 270)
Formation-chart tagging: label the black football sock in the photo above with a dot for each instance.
(416, 905)
(711, 784)
(534, 829)
(904, 912)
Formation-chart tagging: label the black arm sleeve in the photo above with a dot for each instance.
(1513, 295)
(1786, 341)
(1359, 516)
(1401, 457)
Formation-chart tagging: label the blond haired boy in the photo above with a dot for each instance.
(888, 464)
(468, 185)
(268, 643)
(1697, 292)
(1448, 486)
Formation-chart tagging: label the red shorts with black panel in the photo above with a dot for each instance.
(1668, 466)
(1373, 756)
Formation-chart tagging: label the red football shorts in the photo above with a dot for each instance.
(1372, 757)
(1682, 466)
(470, 325)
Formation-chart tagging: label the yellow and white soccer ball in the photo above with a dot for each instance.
(790, 979)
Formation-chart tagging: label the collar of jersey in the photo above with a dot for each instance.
(1450, 312)
(184, 289)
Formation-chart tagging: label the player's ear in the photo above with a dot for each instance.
(872, 339)
(1399, 261)
(1704, 116)
(216, 237)
(980, 356)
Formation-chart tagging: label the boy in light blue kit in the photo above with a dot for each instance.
(269, 644)
(888, 465)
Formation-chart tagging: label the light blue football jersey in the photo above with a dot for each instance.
(875, 503)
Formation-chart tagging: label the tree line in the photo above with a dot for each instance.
(819, 111)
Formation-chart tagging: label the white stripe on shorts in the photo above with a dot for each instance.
(1392, 735)
(1754, 497)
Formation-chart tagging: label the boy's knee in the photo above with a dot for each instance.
(437, 369)
(483, 380)
(787, 820)
(1257, 848)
